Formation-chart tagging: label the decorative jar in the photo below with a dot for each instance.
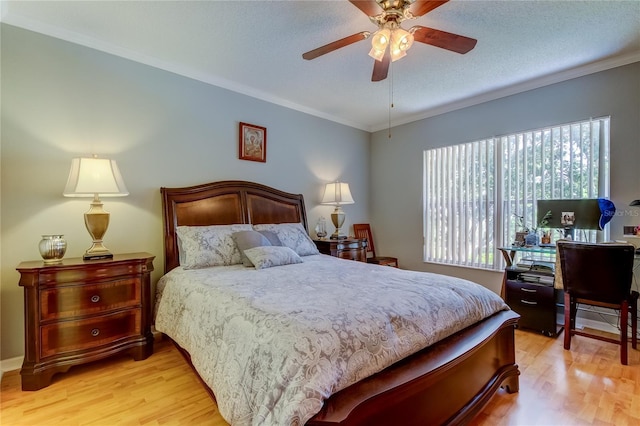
(52, 248)
(531, 239)
(321, 228)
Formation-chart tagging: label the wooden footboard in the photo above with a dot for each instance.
(448, 383)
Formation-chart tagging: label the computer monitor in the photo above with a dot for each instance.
(570, 214)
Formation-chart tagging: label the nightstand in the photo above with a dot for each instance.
(350, 248)
(79, 311)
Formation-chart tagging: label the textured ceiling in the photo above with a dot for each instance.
(255, 48)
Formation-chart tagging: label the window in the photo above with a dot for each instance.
(474, 191)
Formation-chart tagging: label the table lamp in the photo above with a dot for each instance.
(95, 177)
(337, 194)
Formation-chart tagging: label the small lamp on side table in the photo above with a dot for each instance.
(337, 194)
(95, 177)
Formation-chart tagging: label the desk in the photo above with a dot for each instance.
(536, 302)
(529, 289)
(509, 254)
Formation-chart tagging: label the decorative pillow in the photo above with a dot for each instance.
(249, 239)
(272, 237)
(292, 235)
(269, 256)
(204, 246)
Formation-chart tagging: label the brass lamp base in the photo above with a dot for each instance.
(97, 254)
(337, 217)
(97, 221)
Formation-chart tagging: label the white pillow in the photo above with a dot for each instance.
(292, 235)
(269, 256)
(204, 246)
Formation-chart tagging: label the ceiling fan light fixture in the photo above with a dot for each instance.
(376, 54)
(402, 39)
(391, 35)
(380, 39)
(397, 54)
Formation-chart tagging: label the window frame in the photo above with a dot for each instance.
(450, 252)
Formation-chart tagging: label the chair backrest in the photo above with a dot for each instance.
(363, 230)
(599, 272)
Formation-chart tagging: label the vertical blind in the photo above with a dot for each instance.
(474, 192)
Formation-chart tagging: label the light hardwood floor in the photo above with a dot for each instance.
(584, 386)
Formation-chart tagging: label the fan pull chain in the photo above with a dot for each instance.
(390, 96)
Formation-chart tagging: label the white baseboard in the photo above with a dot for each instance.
(597, 325)
(589, 323)
(10, 365)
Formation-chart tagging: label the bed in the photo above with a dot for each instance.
(447, 382)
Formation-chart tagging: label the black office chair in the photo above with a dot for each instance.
(599, 275)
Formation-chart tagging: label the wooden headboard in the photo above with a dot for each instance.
(224, 203)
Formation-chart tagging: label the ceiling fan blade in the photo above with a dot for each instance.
(381, 68)
(443, 39)
(369, 7)
(422, 7)
(322, 50)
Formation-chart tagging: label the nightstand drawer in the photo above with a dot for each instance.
(74, 301)
(96, 271)
(350, 249)
(69, 336)
(351, 254)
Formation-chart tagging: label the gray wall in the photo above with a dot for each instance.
(61, 100)
(396, 203)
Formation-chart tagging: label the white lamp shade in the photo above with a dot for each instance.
(91, 176)
(337, 193)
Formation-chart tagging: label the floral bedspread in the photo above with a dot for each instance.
(273, 344)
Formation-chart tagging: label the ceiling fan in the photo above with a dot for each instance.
(391, 42)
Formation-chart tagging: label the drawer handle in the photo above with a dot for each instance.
(95, 332)
(95, 298)
(528, 302)
(528, 290)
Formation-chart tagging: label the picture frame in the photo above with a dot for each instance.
(567, 218)
(520, 238)
(252, 144)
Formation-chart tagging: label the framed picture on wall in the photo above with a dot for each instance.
(253, 143)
